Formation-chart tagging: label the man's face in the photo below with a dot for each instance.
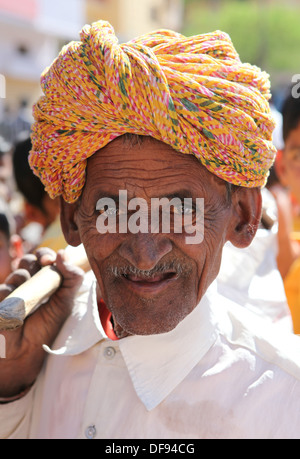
(151, 281)
(291, 162)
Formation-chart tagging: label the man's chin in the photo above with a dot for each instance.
(146, 319)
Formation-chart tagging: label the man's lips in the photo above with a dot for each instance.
(152, 284)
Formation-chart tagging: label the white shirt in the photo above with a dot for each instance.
(221, 373)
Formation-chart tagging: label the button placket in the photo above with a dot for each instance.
(108, 361)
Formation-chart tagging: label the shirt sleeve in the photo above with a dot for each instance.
(15, 418)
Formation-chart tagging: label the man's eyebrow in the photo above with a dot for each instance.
(181, 194)
(294, 146)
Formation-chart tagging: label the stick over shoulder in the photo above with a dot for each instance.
(23, 300)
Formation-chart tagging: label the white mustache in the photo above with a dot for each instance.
(159, 269)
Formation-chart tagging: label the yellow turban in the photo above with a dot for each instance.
(191, 93)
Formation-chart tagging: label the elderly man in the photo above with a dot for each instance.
(150, 349)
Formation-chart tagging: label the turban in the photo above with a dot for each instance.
(192, 93)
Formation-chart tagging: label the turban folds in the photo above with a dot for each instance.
(193, 93)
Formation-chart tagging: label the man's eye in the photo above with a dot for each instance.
(183, 210)
(296, 156)
(108, 211)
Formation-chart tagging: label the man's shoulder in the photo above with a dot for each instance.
(266, 340)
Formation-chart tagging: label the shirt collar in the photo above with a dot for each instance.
(156, 363)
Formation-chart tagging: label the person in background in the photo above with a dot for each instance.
(11, 249)
(5, 170)
(38, 206)
(287, 194)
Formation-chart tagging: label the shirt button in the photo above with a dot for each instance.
(109, 352)
(90, 432)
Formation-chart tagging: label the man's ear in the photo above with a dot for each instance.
(68, 222)
(246, 208)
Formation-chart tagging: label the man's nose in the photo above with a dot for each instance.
(144, 250)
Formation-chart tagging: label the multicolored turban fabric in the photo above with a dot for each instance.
(192, 93)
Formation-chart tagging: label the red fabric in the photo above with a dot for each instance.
(105, 318)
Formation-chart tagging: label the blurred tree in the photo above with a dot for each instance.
(264, 32)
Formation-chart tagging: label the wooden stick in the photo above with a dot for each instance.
(25, 298)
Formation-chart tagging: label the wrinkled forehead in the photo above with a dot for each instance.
(134, 162)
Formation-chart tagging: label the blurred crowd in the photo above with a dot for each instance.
(284, 184)
(30, 219)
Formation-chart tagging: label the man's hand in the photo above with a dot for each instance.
(24, 353)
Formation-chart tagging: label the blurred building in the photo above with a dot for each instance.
(33, 31)
(131, 18)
